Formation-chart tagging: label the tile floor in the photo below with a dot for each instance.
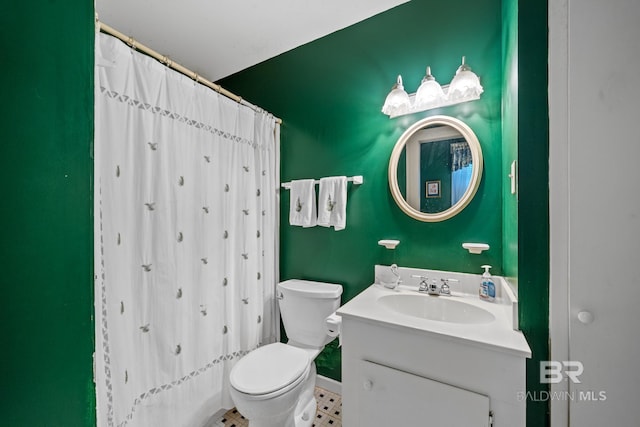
(329, 412)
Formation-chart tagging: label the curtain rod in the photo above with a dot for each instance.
(169, 63)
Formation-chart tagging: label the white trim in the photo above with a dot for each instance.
(277, 231)
(329, 384)
(559, 166)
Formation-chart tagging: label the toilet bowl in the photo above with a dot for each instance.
(271, 382)
(273, 385)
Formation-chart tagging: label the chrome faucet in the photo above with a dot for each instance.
(431, 286)
(432, 289)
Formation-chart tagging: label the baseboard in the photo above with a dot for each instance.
(329, 384)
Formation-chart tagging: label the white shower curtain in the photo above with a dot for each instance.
(185, 240)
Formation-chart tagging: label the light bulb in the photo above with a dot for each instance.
(430, 93)
(397, 102)
(465, 84)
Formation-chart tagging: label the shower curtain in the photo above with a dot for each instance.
(185, 240)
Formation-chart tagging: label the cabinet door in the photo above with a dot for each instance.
(390, 397)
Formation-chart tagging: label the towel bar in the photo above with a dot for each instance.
(357, 180)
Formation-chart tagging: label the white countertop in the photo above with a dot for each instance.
(497, 335)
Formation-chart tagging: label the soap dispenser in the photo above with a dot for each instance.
(487, 287)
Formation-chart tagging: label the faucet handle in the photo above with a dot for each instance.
(445, 289)
(423, 282)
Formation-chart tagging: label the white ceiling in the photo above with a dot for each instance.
(216, 38)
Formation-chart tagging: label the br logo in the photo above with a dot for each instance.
(553, 372)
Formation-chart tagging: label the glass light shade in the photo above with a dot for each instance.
(465, 84)
(430, 93)
(397, 101)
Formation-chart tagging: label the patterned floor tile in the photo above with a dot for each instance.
(329, 413)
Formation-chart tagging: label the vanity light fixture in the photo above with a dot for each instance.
(464, 87)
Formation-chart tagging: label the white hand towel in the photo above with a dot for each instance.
(332, 202)
(302, 210)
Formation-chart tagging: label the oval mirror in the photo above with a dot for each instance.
(435, 168)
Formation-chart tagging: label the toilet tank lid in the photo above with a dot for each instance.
(311, 289)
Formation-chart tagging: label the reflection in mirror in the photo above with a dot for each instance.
(435, 168)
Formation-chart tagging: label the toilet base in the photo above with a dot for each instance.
(302, 416)
(306, 408)
(305, 417)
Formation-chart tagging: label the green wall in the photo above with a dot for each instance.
(510, 137)
(46, 216)
(329, 94)
(525, 137)
(533, 203)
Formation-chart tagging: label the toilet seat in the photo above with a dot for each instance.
(270, 370)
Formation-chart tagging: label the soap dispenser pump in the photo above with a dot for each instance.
(487, 286)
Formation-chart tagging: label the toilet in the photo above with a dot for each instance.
(273, 385)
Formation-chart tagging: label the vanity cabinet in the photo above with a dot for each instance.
(403, 365)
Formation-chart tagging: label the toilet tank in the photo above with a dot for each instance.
(304, 306)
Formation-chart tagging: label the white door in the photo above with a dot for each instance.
(595, 210)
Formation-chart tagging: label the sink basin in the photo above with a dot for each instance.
(441, 309)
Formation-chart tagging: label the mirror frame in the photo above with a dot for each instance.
(476, 155)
